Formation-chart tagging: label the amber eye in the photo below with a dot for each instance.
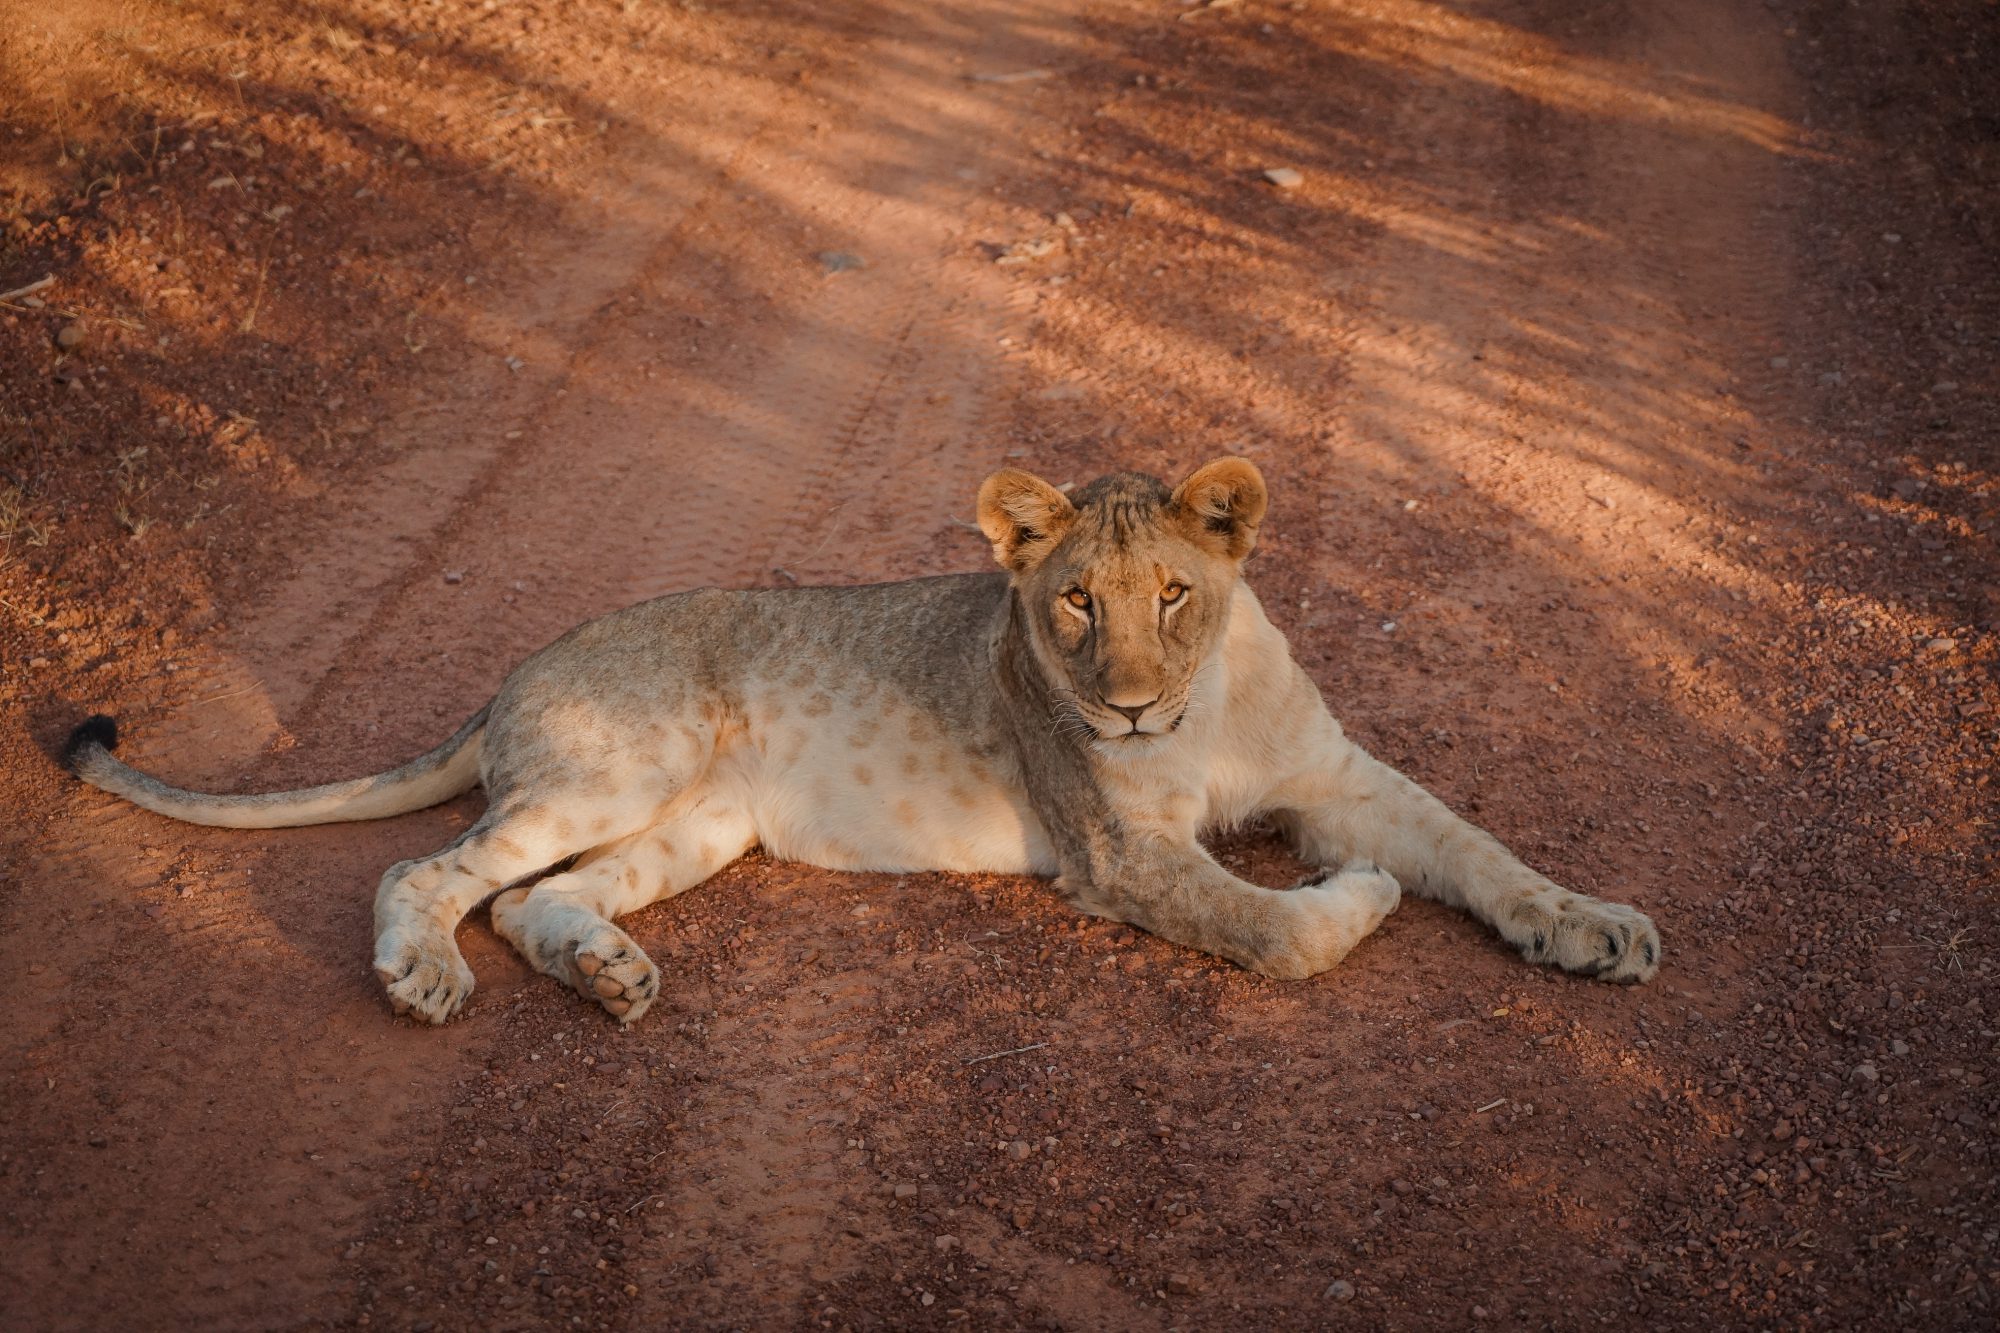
(1173, 592)
(1078, 598)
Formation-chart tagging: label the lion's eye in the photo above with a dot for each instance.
(1078, 598)
(1173, 592)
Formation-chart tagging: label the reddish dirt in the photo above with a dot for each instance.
(1625, 377)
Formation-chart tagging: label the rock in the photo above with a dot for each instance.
(454, 576)
(1023, 252)
(69, 335)
(1403, 1188)
(1864, 1073)
(947, 1243)
(1284, 177)
(840, 261)
(1020, 1150)
(1940, 645)
(1339, 1290)
(906, 1191)
(1782, 1130)
(1899, 1047)
(1179, 1284)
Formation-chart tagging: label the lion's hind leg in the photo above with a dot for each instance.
(563, 924)
(420, 903)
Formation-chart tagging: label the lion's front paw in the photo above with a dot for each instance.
(615, 972)
(1609, 941)
(429, 981)
(1329, 915)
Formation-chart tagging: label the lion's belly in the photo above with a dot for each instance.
(888, 802)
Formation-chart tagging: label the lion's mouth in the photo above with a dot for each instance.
(1140, 733)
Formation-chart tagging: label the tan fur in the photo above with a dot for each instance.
(1086, 715)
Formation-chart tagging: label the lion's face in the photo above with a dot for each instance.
(1126, 585)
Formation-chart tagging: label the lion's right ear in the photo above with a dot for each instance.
(1023, 516)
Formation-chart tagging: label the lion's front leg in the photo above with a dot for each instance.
(1349, 804)
(1181, 894)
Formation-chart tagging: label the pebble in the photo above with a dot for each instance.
(906, 1191)
(1864, 1073)
(1339, 1290)
(1019, 1150)
(1899, 1047)
(840, 261)
(454, 576)
(1284, 177)
(947, 1242)
(69, 335)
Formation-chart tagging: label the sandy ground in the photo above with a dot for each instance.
(1625, 378)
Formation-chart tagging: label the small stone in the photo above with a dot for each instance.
(906, 1191)
(1020, 1150)
(1940, 645)
(1179, 1284)
(1899, 1047)
(1864, 1073)
(1284, 177)
(69, 335)
(1339, 1290)
(947, 1243)
(454, 576)
(840, 261)
(1782, 1130)
(1403, 1188)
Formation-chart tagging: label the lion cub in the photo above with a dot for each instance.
(1084, 714)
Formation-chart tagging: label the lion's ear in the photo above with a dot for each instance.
(1222, 504)
(1023, 516)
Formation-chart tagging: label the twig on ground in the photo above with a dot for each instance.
(1018, 1050)
(1497, 1101)
(28, 290)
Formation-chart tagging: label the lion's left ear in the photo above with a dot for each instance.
(1222, 504)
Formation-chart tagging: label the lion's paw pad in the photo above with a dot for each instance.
(616, 973)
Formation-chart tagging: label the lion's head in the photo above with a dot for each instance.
(1125, 585)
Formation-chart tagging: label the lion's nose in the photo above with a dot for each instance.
(1132, 712)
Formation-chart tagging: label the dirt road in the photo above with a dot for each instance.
(1624, 378)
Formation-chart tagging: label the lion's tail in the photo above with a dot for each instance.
(443, 773)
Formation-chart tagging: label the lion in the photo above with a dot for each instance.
(1084, 714)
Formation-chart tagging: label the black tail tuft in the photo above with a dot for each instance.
(98, 730)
